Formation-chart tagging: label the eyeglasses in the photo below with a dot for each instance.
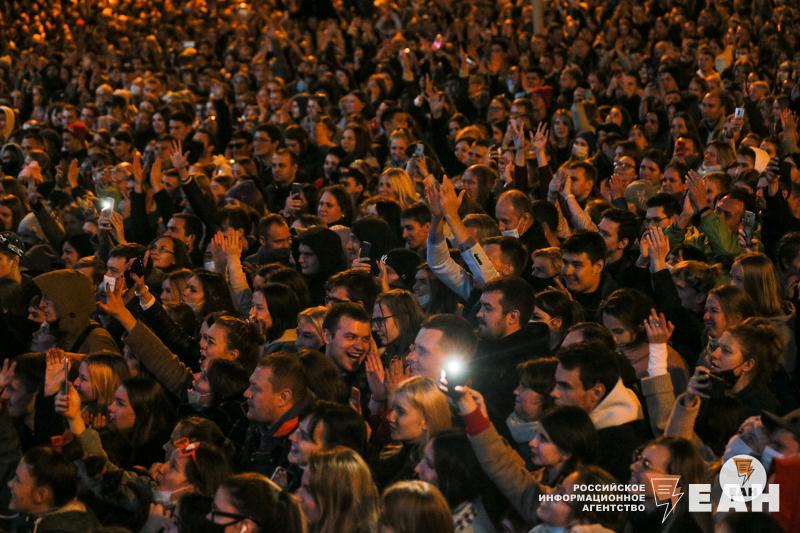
(378, 321)
(622, 164)
(216, 514)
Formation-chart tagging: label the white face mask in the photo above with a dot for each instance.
(580, 151)
(511, 233)
(424, 300)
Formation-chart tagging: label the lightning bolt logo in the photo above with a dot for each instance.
(666, 492)
(744, 467)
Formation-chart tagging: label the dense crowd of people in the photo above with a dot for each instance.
(396, 266)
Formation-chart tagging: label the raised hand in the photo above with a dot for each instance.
(658, 248)
(698, 190)
(450, 201)
(68, 404)
(115, 306)
(177, 156)
(433, 198)
(699, 384)
(73, 173)
(376, 376)
(138, 172)
(540, 138)
(7, 373)
(470, 400)
(54, 371)
(659, 330)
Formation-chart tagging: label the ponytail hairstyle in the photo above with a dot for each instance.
(242, 336)
(265, 503)
(760, 342)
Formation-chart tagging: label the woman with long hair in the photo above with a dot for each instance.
(207, 292)
(755, 273)
(415, 507)
(99, 377)
(450, 464)
(418, 410)
(433, 295)
(275, 308)
(174, 286)
(396, 184)
(337, 493)
(309, 328)
(396, 319)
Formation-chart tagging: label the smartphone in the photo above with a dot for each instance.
(188, 44)
(297, 189)
(739, 112)
(454, 374)
(749, 223)
(366, 250)
(107, 204)
(437, 43)
(419, 150)
(65, 383)
(718, 386)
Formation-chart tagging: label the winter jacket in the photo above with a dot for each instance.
(73, 296)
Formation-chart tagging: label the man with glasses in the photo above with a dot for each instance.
(266, 139)
(662, 212)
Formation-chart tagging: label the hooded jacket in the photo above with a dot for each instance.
(73, 296)
(619, 420)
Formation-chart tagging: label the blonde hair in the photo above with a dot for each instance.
(760, 281)
(314, 316)
(553, 253)
(425, 396)
(341, 484)
(414, 506)
(107, 371)
(402, 185)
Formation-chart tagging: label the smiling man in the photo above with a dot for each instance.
(347, 334)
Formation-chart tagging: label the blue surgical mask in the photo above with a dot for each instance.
(736, 446)
(511, 233)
